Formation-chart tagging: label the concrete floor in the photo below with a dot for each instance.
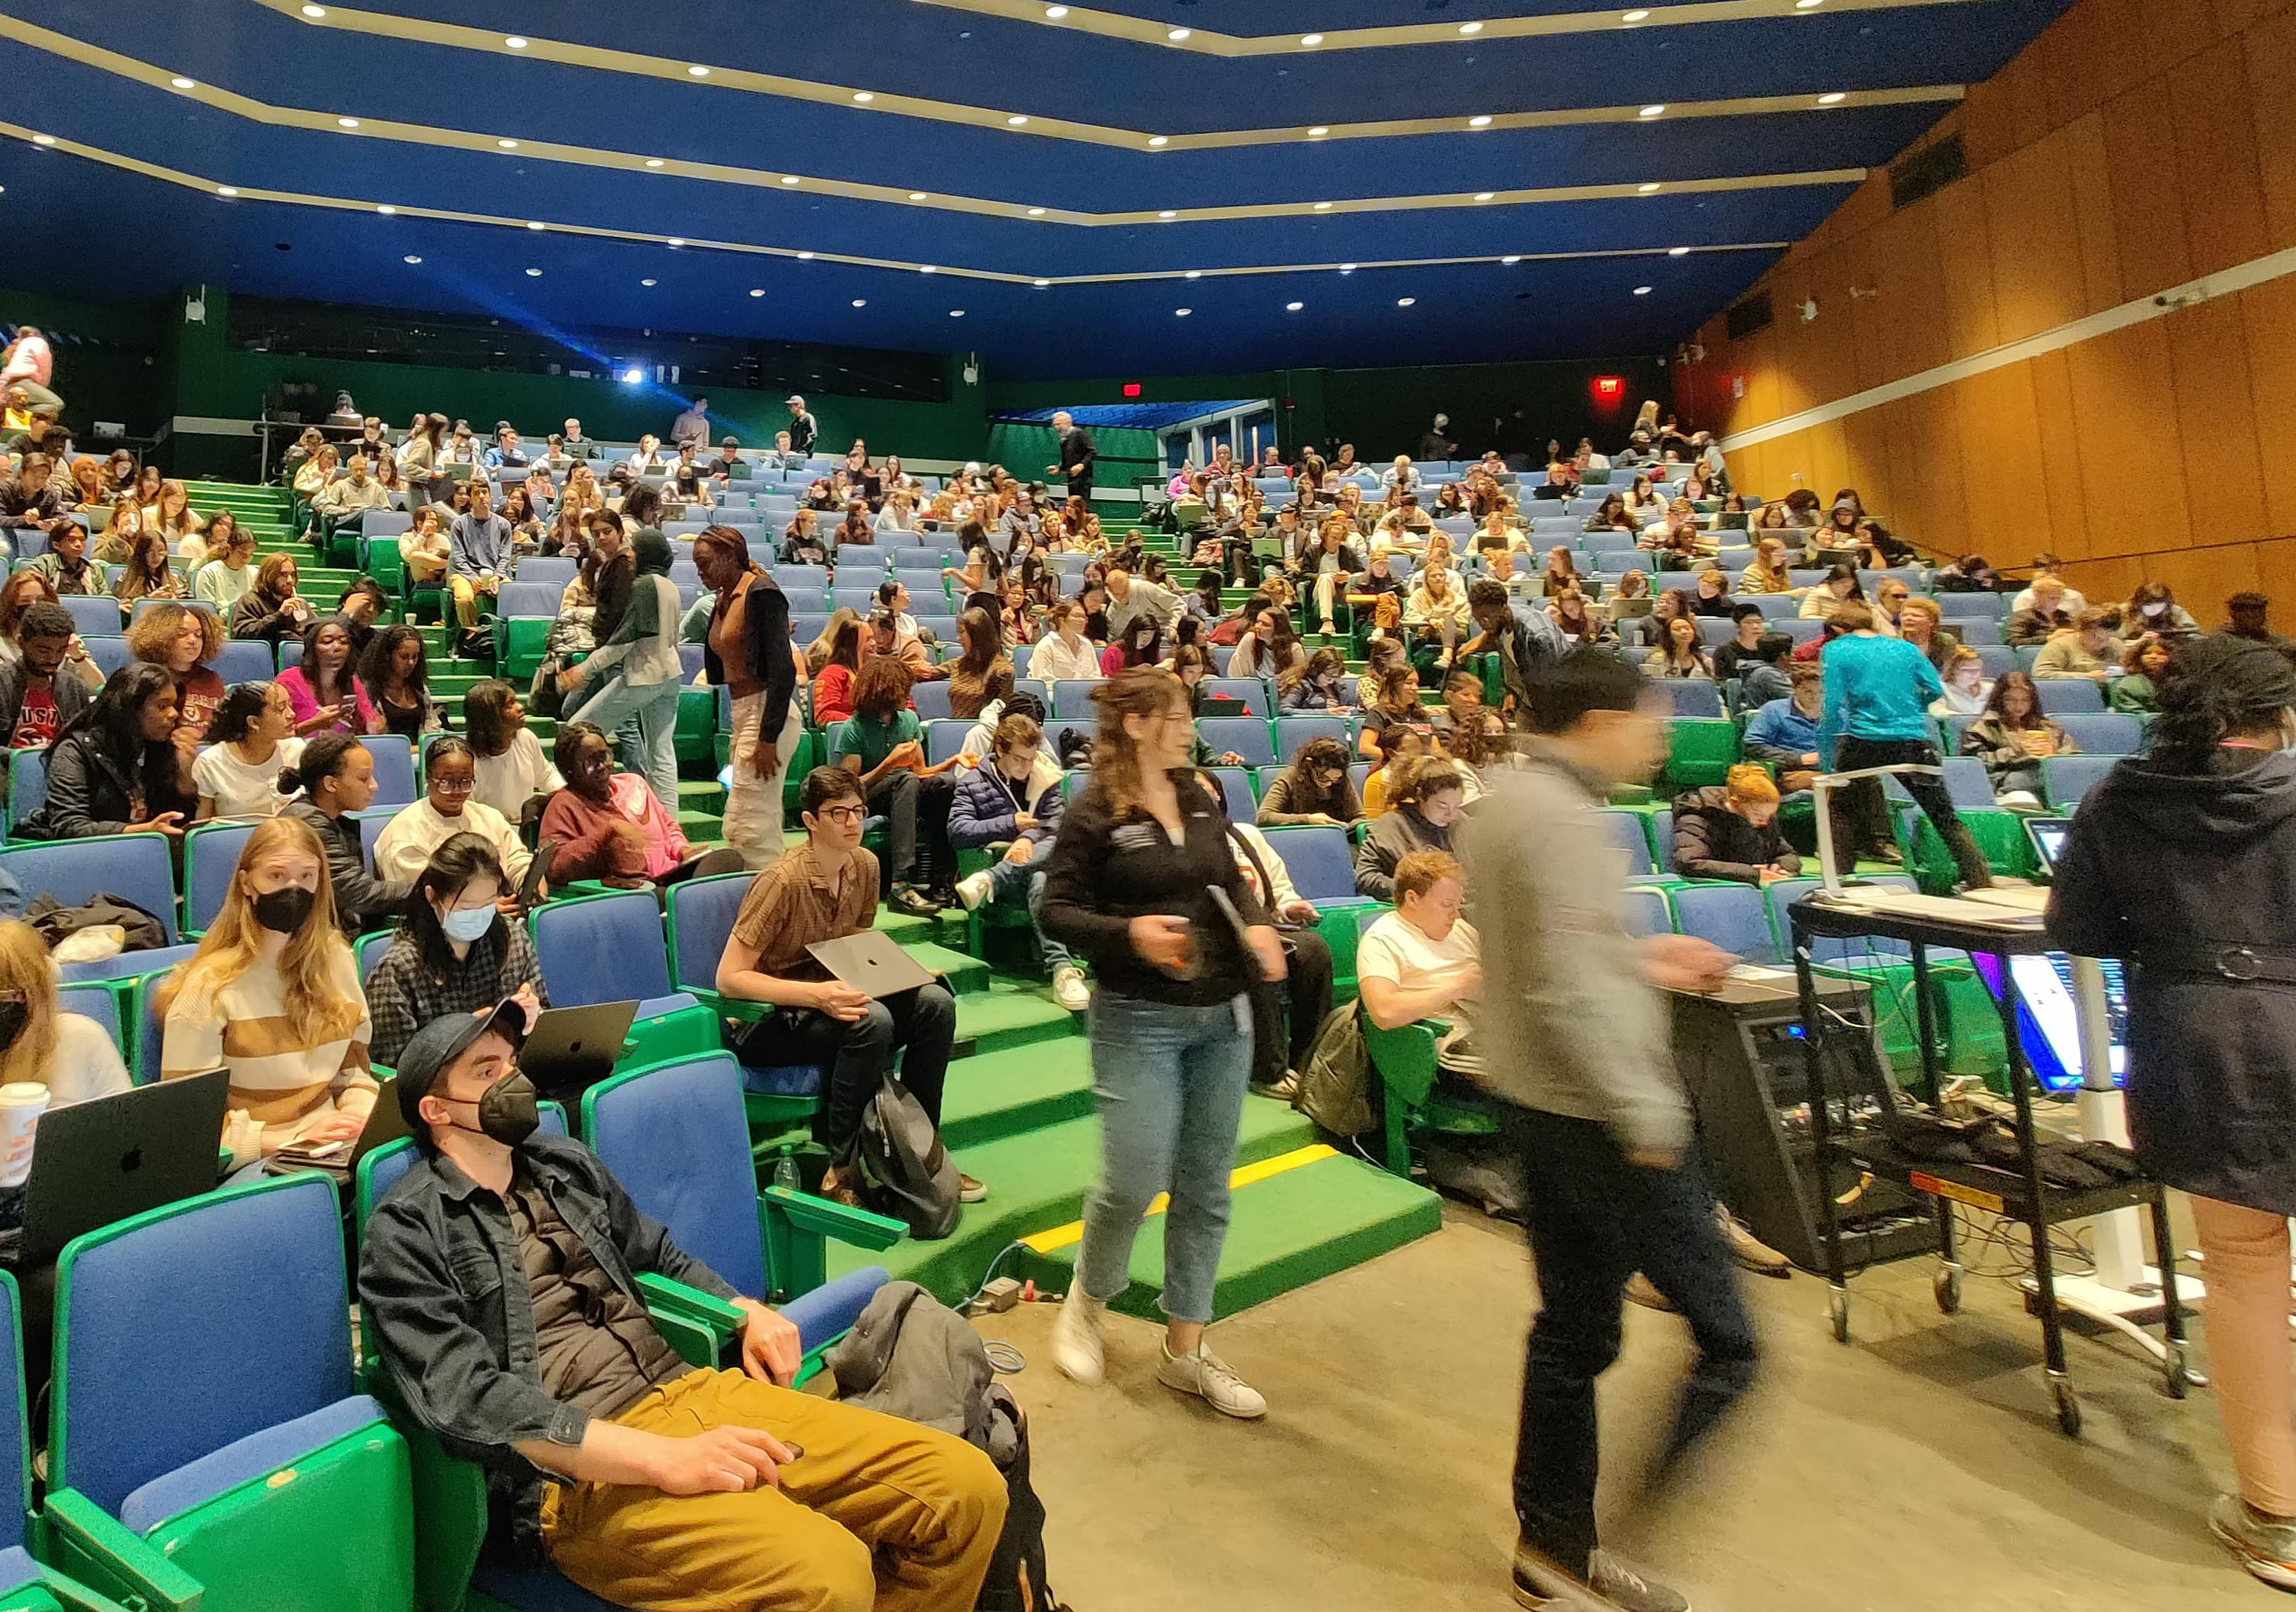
(1920, 1468)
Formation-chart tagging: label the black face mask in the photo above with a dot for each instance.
(282, 911)
(508, 1112)
(15, 1012)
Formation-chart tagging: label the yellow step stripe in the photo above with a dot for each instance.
(1070, 1235)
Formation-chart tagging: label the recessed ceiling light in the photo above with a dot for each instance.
(1040, 285)
(1036, 212)
(347, 123)
(1677, 251)
(1158, 142)
(791, 179)
(916, 195)
(1833, 98)
(1484, 195)
(757, 291)
(1293, 307)
(1167, 213)
(1654, 111)
(864, 96)
(1799, 5)
(314, 11)
(860, 302)
(1311, 40)
(1318, 132)
(1195, 273)
(507, 144)
(928, 268)
(804, 257)
(226, 190)
(182, 84)
(697, 71)
(386, 209)
(1056, 12)
(514, 42)
(645, 282)
(653, 161)
(1177, 34)
(44, 139)
(1515, 259)
(1642, 291)
(1470, 28)
(677, 240)
(536, 223)
(1479, 121)
(534, 273)
(1634, 16)
(410, 258)
(1647, 189)
(1405, 301)
(1017, 120)
(956, 313)
(1322, 207)
(1182, 312)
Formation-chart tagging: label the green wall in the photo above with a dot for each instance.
(112, 372)
(1025, 450)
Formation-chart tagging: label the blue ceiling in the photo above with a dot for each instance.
(101, 71)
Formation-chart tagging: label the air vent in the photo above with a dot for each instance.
(1748, 316)
(1927, 171)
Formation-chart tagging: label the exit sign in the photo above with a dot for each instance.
(1132, 389)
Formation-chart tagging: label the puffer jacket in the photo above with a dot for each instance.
(1712, 842)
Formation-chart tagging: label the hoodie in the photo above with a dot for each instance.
(2177, 873)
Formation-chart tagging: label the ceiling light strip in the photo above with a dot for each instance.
(1113, 25)
(1005, 122)
(206, 186)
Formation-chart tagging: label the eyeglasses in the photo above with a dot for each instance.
(842, 814)
(454, 785)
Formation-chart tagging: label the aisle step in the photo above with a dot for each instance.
(1295, 1219)
(1003, 1093)
(1013, 1013)
(966, 974)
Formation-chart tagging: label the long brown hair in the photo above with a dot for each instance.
(1137, 691)
(306, 962)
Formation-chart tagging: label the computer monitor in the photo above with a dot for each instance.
(2048, 1027)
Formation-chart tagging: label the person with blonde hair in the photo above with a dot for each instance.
(172, 517)
(42, 1044)
(273, 996)
(182, 638)
(1142, 883)
(1730, 831)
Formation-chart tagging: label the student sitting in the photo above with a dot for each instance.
(1016, 797)
(1765, 675)
(183, 640)
(119, 766)
(450, 782)
(42, 1044)
(2144, 665)
(2012, 738)
(510, 766)
(1284, 1021)
(607, 824)
(393, 674)
(456, 951)
(1967, 685)
(272, 610)
(647, 1483)
(882, 744)
(1323, 686)
(322, 694)
(334, 778)
(1425, 800)
(273, 996)
(1784, 732)
(826, 889)
(2084, 653)
(36, 699)
(1732, 832)
(1422, 960)
(253, 735)
(1314, 791)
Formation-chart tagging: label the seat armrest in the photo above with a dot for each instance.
(75, 1595)
(698, 1325)
(797, 1227)
(95, 1548)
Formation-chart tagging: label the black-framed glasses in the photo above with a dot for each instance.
(843, 814)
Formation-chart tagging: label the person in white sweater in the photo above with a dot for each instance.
(40, 1044)
(449, 806)
(1064, 652)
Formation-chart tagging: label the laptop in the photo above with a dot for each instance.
(1628, 609)
(385, 1124)
(871, 963)
(1730, 520)
(111, 1157)
(2048, 837)
(571, 1049)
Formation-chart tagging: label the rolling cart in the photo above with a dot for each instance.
(2020, 1194)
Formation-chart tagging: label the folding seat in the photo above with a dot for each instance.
(1292, 734)
(1244, 737)
(1731, 916)
(243, 660)
(1322, 864)
(394, 769)
(136, 868)
(1252, 692)
(610, 948)
(2068, 696)
(2065, 779)
(2105, 733)
(930, 700)
(210, 858)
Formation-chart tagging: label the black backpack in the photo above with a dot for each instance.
(910, 1175)
(1016, 1572)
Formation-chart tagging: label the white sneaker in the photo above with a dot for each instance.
(1070, 989)
(1212, 1380)
(973, 890)
(1076, 1337)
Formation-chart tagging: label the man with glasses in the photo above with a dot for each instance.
(822, 890)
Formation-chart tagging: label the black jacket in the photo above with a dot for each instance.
(441, 1277)
(2170, 871)
(1712, 842)
(362, 900)
(1078, 456)
(1392, 836)
(765, 644)
(93, 794)
(72, 696)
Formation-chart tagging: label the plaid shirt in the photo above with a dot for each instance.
(402, 995)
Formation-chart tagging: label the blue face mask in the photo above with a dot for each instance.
(467, 924)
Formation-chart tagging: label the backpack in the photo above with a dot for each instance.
(1335, 1087)
(911, 1176)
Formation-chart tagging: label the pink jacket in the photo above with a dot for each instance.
(305, 704)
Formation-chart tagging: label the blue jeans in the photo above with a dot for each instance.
(1594, 1220)
(655, 707)
(1169, 1083)
(1022, 885)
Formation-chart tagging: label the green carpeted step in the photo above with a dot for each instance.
(966, 974)
(1037, 1180)
(1284, 1232)
(1003, 1093)
(1011, 1012)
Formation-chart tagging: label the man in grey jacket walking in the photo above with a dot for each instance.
(1576, 1046)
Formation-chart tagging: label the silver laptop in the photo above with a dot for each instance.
(871, 963)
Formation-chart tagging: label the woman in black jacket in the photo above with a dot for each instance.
(1423, 804)
(117, 767)
(1142, 884)
(332, 778)
(2182, 863)
(1732, 832)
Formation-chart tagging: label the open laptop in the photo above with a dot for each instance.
(2048, 837)
(871, 963)
(111, 1157)
(571, 1049)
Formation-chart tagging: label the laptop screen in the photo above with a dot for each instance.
(2048, 837)
(2048, 1027)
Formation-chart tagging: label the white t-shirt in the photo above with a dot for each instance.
(506, 782)
(87, 1063)
(1393, 951)
(239, 790)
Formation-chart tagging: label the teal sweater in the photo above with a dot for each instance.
(1876, 689)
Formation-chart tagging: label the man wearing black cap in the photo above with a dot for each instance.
(501, 1274)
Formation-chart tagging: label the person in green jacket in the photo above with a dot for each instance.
(2143, 666)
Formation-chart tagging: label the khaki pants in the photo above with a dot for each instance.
(879, 1515)
(753, 805)
(466, 590)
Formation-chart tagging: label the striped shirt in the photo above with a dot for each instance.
(284, 1079)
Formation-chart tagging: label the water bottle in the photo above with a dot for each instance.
(785, 1174)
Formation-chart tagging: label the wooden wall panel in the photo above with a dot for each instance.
(1966, 251)
(2216, 422)
(2000, 432)
(1911, 333)
(2092, 189)
(2063, 492)
(2217, 165)
(2124, 417)
(2268, 321)
(2173, 31)
(2034, 236)
(2269, 54)
(2140, 145)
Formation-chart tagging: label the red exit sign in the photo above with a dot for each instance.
(1132, 389)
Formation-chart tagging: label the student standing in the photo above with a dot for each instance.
(1129, 886)
(1575, 1048)
(749, 651)
(641, 654)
